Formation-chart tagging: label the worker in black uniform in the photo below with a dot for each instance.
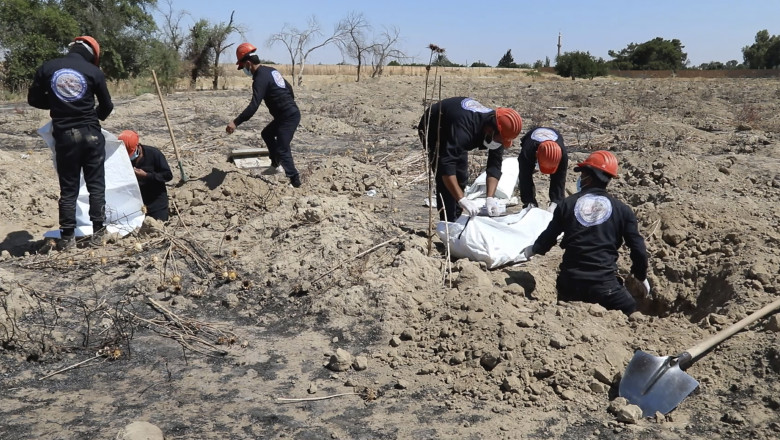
(450, 129)
(67, 87)
(269, 85)
(545, 146)
(152, 171)
(595, 225)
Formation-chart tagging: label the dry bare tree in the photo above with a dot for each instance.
(172, 32)
(299, 44)
(218, 36)
(353, 43)
(384, 50)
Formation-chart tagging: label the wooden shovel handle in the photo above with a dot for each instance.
(719, 337)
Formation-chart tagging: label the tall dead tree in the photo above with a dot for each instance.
(384, 50)
(171, 29)
(299, 43)
(353, 43)
(218, 36)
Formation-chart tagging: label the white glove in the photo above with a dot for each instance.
(647, 289)
(552, 207)
(471, 207)
(492, 206)
(528, 252)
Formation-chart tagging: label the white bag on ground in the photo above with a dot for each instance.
(123, 197)
(495, 240)
(510, 169)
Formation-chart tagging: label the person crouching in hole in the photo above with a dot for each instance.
(152, 171)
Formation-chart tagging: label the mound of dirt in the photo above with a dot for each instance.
(265, 311)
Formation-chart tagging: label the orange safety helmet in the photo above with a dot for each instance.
(509, 125)
(242, 51)
(130, 138)
(601, 160)
(93, 44)
(548, 154)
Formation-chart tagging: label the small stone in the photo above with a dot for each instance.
(360, 363)
(340, 361)
(629, 414)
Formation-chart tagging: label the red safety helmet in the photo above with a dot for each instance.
(601, 160)
(93, 44)
(242, 52)
(509, 125)
(549, 156)
(130, 138)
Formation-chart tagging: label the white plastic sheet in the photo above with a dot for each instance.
(495, 240)
(510, 169)
(123, 197)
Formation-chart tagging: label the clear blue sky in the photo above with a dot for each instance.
(714, 30)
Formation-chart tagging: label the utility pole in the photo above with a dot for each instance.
(559, 44)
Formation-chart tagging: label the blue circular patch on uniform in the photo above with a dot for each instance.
(473, 105)
(69, 85)
(592, 210)
(278, 78)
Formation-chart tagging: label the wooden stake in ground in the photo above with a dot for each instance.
(170, 130)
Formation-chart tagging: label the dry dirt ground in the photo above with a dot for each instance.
(255, 291)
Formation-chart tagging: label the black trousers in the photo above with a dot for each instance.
(277, 136)
(610, 293)
(80, 149)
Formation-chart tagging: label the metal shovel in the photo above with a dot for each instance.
(659, 384)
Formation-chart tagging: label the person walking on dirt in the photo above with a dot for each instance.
(450, 129)
(545, 146)
(594, 226)
(269, 85)
(67, 87)
(152, 171)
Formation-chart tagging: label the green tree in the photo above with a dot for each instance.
(507, 60)
(756, 55)
(124, 29)
(479, 64)
(580, 65)
(199, 53)
(656, 54)
(442, 61)
(30, 33)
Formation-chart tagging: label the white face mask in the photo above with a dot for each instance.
(579, 184)
(247, 71)
(492, 145)
(136, 153)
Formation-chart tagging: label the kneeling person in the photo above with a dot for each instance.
(152, 171)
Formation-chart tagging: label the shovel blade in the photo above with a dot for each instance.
(651, 383)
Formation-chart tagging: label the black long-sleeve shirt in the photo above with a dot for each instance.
(529, 144)
(458, 123)
(67, 87)
(595, 225)
(269, 85)
(153, 190)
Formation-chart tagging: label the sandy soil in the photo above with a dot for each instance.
(255, 291)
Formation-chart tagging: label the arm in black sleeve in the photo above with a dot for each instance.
(258, 93)
(37, 95)
(549, 237)
(162, 171)
(558, 180)
(636, 243)
(105, 106)
(494, 162)
(289, 87)
(526, 179)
